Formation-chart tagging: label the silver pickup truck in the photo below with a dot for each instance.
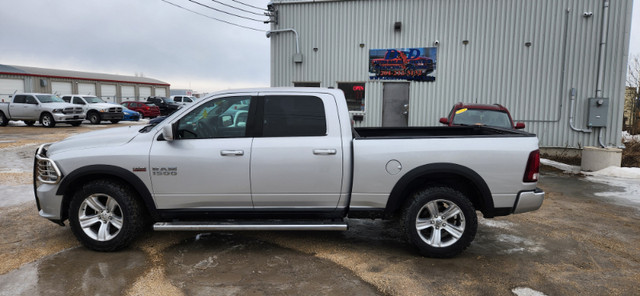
(284, 159)
(48, 109)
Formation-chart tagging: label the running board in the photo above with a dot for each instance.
(237, 226)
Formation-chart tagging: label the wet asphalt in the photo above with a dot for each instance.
(578, 243)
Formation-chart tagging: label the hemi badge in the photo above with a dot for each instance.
(139, 169)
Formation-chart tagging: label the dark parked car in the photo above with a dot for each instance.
(480, 114)
(146, 109)
(166, 105)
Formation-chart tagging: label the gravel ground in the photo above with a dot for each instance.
(577, 243)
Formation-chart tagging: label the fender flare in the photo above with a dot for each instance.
(403, 187)
(70, 181)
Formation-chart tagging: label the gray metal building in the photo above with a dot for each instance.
(112, 88)
(545, 60)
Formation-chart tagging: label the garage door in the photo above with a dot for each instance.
(161, 92)
(9, 86)
(128, 93)
(86, 89)
(108, 92)
(145, 92)
(61, 88)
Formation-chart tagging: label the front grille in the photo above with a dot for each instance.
(46, 170)
(115, 109)
(72, 110)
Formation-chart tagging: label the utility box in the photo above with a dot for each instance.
(598, 110)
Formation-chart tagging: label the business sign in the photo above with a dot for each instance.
(412, 64)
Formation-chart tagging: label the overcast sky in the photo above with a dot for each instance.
(151, 37)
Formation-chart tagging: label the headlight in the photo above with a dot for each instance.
(57, 111)
(103, 110)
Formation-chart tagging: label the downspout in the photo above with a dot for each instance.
(286, 30)
(603, 47)
(572, 110)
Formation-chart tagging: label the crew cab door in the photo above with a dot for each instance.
(297, 157)
(207, 164)
(24, 107)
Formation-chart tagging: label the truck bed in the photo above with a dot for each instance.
(436, 132)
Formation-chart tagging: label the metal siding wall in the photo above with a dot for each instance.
(495, 67)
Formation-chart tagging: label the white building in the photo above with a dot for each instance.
(542, 59)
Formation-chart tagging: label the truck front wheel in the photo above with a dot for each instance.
(105, 215)
(440, 221)
(94, 117)
(47, 120)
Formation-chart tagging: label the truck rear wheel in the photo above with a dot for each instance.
(3, 119)
(440, 221)
(47, 120)
(105, 215)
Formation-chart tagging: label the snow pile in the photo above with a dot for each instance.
(626, 137)
(571, 169)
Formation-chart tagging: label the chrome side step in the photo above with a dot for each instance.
(238, 226)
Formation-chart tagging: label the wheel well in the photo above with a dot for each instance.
(457, 177)
(77, 179)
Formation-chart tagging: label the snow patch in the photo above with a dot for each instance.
(496, 223)
(15, 195)
(524, 291)
(520, 244)
(572, 169)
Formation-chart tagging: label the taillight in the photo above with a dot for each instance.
(532, 171)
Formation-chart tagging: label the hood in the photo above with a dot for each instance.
(104, 105)
(112, 137)
(60, 105)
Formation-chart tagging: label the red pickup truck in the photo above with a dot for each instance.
(494, 115)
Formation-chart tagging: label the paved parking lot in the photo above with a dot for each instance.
(577, 243)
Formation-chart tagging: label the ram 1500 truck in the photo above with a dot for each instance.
(284, 159)
(48, 109)
(96, 109)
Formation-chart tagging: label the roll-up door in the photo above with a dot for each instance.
(86, 89)
(108, 93)
(128, 93)
(9, 86)
(61, 88)
(161, 92)
(145, 92)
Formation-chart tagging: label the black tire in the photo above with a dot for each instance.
(29, 122)
(94, 117)
(3, 119)
(47, 120)
(76, 123)
(114, 121)
(440, 236)
(105, 205)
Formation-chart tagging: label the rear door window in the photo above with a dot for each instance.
(293, 116)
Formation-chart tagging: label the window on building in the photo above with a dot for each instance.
(293, 116)
(306, 84)
(354, 92)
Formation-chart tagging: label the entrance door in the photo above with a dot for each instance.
(395, 104)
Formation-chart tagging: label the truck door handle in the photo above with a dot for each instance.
(325, 151)
(231, 152)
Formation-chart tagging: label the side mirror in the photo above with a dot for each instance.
(444, 120)
(520, 125)
(167, 132)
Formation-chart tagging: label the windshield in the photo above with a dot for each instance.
(94, 100)
(49, 99)
(482, 117)
(169, 100)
